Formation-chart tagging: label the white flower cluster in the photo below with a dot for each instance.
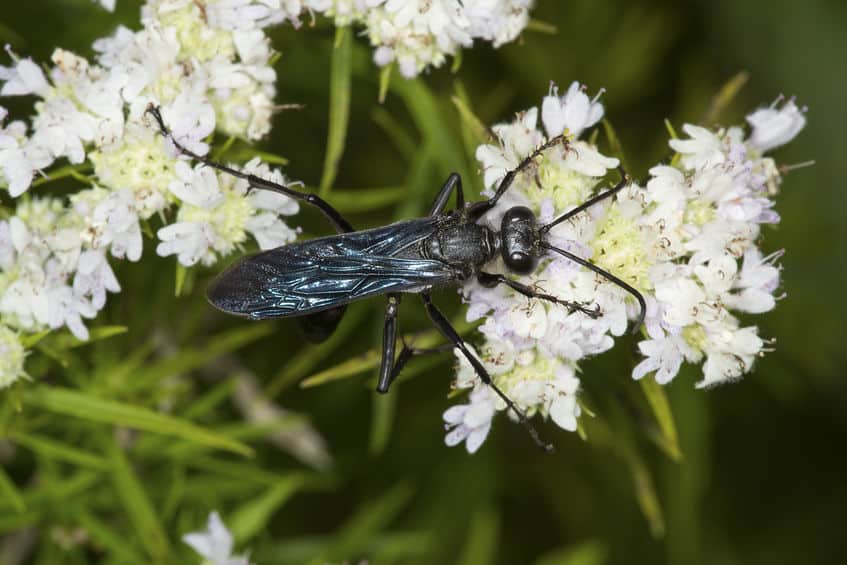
(417, 34)
(678, 241)
(208, 66)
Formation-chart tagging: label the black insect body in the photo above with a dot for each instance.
(317, 278)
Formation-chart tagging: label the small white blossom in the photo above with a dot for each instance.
(774, 126)
(215, 543)
(573, 112)
(470, 423)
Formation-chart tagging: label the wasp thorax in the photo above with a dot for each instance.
(518, 235)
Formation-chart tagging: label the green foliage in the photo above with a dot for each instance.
(135, 436)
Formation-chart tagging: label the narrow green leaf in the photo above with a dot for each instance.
(249, 519)
(671, 129)
(52, 449)
(14, 522)
(587, 553)
(478, 132)
(434, 126)
(539, 26)
(309, 357)
(370, 359)
(367, 199)
(68, 341)
(382, 418)
(79, 405)
(724, 97)
(138, 506)
(31, 340)
(179, 279)
(658, 401)
(354, 536)
(73, 171)
(112, 541)
(339, 104)
(188, 359)
(615, 146)
(384, 81)
(10, 492)
(645, 491)
(482, 538)
(400, 137)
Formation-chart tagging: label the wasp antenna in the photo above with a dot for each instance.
(607, 275)
(625, 180)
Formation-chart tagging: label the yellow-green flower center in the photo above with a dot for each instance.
(619, 248)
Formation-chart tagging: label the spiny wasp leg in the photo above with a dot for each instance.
(448, 331)
(492, 279)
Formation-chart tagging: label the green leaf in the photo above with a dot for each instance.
(539, 26)
(113, 541)
(52, 449)
(481, 545)
(434, 126)
(370, 359)
(615, 146)
(138, 506)
(725, 96)
(384, 81)
(367, 199)
(306, 360)
(339, 104)
(353, 537)
(400, 137)
(188, 359)
(384, 408)
(587, 553)
(86, 407)
(68, 341)
(473, 125)
(645, 490)
(249, 519)
(658, 400)
(31, 340)
(10, 492)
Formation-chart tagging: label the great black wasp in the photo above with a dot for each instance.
(316, 279)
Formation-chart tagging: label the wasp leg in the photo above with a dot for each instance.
(389, 343)
(453, 181)
(490, 280)
(642, 304)
(478, 209)
(338, 221)
(442, 324)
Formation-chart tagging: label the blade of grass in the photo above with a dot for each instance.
(724, 97)
(249, 519)
(354, 536)
(138, 506)
(658, 401)
(587, 553)
(339, 105)
(188, 359)
(481, 545)
(79, 405)
(367, 199)
(371, 358)
(114, 542)
(10, 492)
(308, 357)
(52, 449)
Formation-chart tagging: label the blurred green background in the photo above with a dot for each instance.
(762, 474)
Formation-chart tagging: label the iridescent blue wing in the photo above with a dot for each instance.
(322, 273)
